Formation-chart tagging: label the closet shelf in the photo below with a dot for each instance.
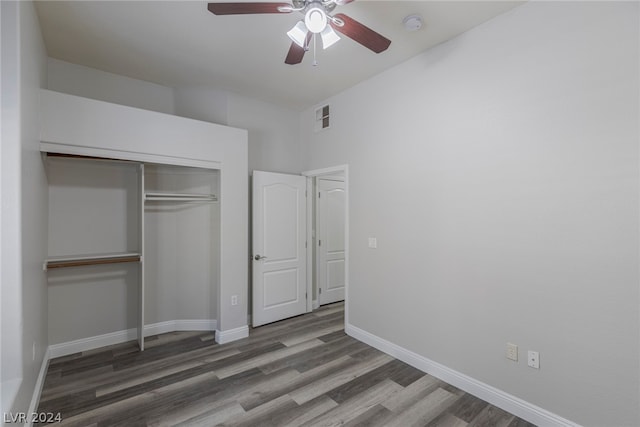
(180, 197)
(98, 259)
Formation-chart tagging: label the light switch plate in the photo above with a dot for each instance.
(512, 352)
(373, 242)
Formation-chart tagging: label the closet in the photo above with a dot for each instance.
(134, 248)
(148, 224)
(181, 247)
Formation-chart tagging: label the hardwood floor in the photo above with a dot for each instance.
(303, 371)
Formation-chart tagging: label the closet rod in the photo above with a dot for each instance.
(180, 197)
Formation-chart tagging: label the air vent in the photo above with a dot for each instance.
(322, 118)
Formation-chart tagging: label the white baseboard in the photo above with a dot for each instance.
(180, 325)
(499, 398)
(118, 337)
(315, 304)
(84, 344)
(37, 390)
(223, 337)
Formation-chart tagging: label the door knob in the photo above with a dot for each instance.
(259, 257)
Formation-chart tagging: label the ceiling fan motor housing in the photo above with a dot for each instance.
(315, 16)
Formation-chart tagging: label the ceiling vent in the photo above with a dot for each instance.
(322, 119)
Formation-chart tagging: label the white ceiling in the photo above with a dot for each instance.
(180, 43)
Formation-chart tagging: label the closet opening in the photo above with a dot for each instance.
(134, 246)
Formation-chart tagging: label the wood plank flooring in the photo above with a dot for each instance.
(303, 371)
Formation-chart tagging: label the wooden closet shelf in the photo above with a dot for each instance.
(62, 262)
(180, 197)
(78, 156)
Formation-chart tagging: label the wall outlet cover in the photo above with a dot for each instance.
(533, 359)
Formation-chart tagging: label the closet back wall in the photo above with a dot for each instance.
(182, 243)
(93, 209)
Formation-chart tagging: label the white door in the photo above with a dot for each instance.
(330, 241)
(279, 253)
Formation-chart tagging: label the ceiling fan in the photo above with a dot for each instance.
(317, 20)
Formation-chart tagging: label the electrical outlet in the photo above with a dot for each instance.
(533, 359)
(512, 352)
(234, 299)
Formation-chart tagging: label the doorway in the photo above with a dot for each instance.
(287, 267)
(328, 231)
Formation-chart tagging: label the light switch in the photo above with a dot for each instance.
(373, 242)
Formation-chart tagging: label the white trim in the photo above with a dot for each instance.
(180, 325)
(347, 249)
(344, 169)
(316, 304)
(37, 390)
(118, 337)
(525, 410)
(310, 247)
(84, 344)
(223, 337)
(60, 148)
(326, 171)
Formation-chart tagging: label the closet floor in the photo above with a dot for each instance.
(300, 371)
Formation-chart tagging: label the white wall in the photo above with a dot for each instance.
(201, 103)
(499, 173)
(24, 201)
(274, 135)
(11, 272)
(273, 130)
(96, 84)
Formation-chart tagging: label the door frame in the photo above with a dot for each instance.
(317, 259)
(342, 169)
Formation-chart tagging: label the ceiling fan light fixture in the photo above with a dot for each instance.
(298, 33)
(316, 19)
(329, 37)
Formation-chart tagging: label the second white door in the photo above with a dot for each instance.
(330, 240)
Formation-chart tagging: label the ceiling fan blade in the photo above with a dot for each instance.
(246, 8)
(296, 53)
(361, 33)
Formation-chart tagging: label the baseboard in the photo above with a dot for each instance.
(499, 398)
(223, 337)
(315, 304)
(118, 337)
(84, 344)
(37, 390)
(180, 325)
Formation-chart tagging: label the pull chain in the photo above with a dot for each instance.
(315, 62)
